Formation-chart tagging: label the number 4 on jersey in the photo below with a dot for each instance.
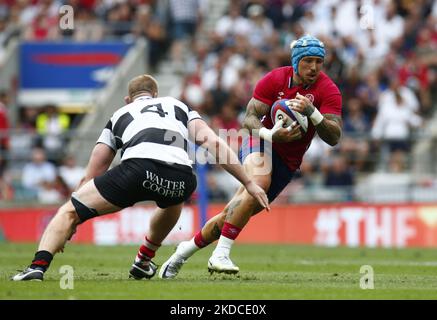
(158, 110)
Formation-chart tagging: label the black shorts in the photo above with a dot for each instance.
(136, 180)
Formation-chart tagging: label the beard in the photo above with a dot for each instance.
(310, 79)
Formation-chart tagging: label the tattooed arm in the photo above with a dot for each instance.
(329, 130)
(254, 111)
(328, 126)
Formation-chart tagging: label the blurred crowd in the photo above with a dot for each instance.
(381, 53)
(34, 164)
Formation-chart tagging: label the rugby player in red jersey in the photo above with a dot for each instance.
(310, 92)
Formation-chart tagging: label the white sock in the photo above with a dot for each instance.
(224, 246)
(188, 248)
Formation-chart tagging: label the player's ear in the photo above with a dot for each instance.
(127, 99)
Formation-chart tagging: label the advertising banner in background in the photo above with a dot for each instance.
(350, 225)
(66, 73)
(346, 225)
(67, 65)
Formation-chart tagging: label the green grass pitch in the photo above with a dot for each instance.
(266, 272)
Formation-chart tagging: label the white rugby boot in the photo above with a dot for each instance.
(222, 264)
(173, 265)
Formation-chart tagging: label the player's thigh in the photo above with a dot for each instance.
(244, 203)
(173, 211)
(90, 197)
(258, 166)
(163, 221)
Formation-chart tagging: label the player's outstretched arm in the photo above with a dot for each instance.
(100, 160)
(204, 136)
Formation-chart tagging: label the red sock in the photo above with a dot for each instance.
(230, 231)
(147, 250)
(199, 241)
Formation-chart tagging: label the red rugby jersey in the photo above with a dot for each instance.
(278, 84)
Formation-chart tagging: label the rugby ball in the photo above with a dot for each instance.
(281, 111)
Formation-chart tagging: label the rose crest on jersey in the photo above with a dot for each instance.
(310, 97)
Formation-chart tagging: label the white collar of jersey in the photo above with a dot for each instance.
(143, 98)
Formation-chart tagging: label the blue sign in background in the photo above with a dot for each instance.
(67, 65)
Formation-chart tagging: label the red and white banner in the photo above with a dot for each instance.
(125, 227)
(327, 225)
(348, 225)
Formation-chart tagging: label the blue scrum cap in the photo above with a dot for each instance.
(304, 47)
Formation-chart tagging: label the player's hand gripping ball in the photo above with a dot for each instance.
(281, 111)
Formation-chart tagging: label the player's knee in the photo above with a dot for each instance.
(82, 211)
(74, 218)
(68, 215)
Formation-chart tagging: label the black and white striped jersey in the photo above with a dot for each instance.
(151, 128)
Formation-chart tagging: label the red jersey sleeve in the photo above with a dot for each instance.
(265, 89)
(331, 102)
